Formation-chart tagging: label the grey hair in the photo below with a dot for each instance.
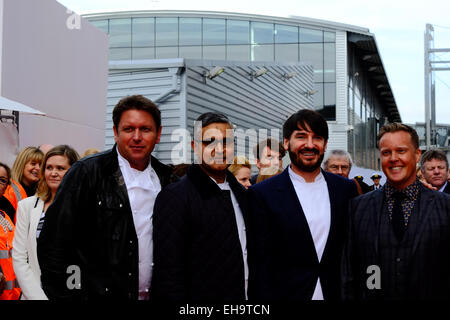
(337, 153)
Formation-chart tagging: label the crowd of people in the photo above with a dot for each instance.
(120, 224)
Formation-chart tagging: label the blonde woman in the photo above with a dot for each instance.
(25, 169)
(241, 169)
(30, 218)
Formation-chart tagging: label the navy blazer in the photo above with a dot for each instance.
(288, 266)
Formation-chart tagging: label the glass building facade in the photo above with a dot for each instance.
(161, 37)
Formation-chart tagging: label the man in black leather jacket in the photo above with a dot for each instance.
(96, 242)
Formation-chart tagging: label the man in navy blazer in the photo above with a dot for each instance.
(300, 220)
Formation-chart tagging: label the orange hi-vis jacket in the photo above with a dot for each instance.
(14, 193)
(12, 290)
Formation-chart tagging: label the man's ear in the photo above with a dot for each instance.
(158, 137)
(286, 144)
(115, 134)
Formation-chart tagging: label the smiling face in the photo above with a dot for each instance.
(31, 172)
(136, 137)
(216, 148)
(54, 171)
(306, 150)
(399, 158)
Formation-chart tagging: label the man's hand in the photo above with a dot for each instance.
(2, 283)
(428, 185)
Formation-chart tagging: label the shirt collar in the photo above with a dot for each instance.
(125, 162)
(443, 187)
(410, 191)
(297, 178)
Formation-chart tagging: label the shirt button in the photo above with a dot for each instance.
(398, 259)
(153, 264)
(130, 253)
(131, 241)
(120, 205)
(99, 203)
(129, 274)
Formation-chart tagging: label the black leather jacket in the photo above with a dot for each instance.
(90, 227)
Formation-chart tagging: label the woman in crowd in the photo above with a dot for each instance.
(30, 218)
(5, 180)
(8, 289)
(25, 169)
(241, 169)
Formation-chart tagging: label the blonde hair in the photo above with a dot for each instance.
(43, 191)
(89, 152)
(24, 156)
(263, 177)
(238, 163)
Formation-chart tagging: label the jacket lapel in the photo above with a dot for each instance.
(426, 207)
(375, 217)
(291, 204)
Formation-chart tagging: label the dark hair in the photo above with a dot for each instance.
(8, 171)
(303, 118)
(136, 102)
(43, 191)
(397, 126)
(433, 154)
(212, 117)
(270, 143)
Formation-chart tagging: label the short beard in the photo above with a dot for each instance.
(301, 165)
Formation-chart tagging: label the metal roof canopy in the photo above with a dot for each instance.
(366, 47)
(7, 104)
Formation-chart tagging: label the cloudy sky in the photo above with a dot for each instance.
(397, 25)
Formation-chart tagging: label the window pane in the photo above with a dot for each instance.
(143, 53)
(120, 33)
(194, 52)
(261, 33)
(262, 52)
(214, 52)
(120, 54)
(238, 53)
(166, 31)
(286, 52)
(213, 31)
(329, 62)
(313, 54)
(311, 35)
(101, 24)
(190, 31)
(329, 36)
(286, 34)
(143, 32)
(318, 96)
(330, 94)
(238, 32)
(166, 52)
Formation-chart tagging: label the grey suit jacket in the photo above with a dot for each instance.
(430, 262)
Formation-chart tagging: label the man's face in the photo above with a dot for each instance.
(216, 148)
(435, 172)
(270, 161)
(136, 136)
(306, 149)
(376, 181)
(339, 166)
(399, 158)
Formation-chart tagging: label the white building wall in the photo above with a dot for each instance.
(57, 63)
(338, 128)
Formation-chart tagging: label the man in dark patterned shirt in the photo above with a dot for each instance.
(398, 247)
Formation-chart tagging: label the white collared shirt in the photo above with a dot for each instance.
(315, 202)
(143, 187)
(241, 228)
(443, 187)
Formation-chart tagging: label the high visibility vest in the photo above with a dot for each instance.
(12, 289)
(14, 193)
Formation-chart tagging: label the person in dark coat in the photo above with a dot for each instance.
(376, 181)
(299, 219)
(397, 247)
(200, 224)
(96, 241)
